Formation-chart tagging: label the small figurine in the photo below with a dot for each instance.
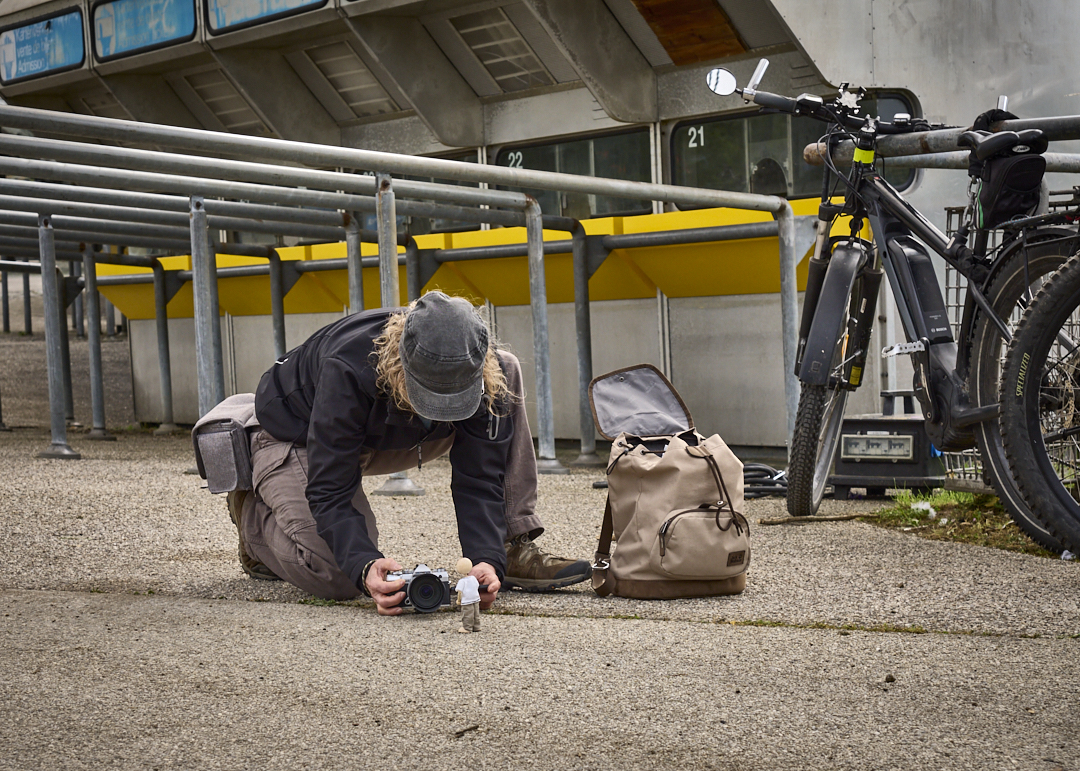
(468, 592)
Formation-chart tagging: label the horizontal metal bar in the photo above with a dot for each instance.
(133, 132)
(946, 140)
(126, 279)
(283, 196)
(177, 220)
(262, 173)
(503, 250)
(692, 235)
(1066, 163)
(171, 203)
(20, 267)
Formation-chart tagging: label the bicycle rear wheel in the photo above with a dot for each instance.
(1040, 405)
(1019, 276)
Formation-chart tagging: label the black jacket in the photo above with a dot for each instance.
(322, 394)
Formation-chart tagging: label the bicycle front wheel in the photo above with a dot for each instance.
(813, 446)
(1040, 405)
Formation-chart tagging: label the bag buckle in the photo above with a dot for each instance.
(601, 564)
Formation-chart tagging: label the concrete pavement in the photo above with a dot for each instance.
(129, 638)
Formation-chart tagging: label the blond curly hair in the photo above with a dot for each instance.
(391, 373)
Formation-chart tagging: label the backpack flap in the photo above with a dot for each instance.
(639, 401)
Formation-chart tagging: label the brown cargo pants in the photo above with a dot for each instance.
(279, 530)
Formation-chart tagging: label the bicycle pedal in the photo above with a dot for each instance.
(901, 348)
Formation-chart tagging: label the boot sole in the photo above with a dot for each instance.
(542, 585)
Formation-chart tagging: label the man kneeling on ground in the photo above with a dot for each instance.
(379, 392)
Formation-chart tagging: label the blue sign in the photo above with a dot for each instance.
(228, 14)
(126, 26)
(40, 47)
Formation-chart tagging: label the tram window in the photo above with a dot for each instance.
(763, 153)
(616, 156)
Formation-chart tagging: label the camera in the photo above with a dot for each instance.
(426, 590)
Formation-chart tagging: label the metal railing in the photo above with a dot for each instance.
(104, 178)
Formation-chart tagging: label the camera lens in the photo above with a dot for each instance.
(426, 593)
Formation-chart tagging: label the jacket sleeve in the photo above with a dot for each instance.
(335, 440)
(478, 461)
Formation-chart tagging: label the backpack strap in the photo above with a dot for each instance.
(602, 581)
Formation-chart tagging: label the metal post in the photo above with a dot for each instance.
(201, 279)
(546, 463)
(583, 328)
(6, 309)
(77, 306)
(65, 349)
(215, 324)
(399, 482)
(161, 317)
(28, 326)
(413, 287)
(110, 318)
(386, 213)
(54, 318)
(93, 317)
(356, 270)
(277, 304)
(789, 311)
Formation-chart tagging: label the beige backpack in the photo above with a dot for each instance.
(674, 497)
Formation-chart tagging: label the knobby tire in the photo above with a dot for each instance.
(813, 445)
(1007, 296)
(1040, 397)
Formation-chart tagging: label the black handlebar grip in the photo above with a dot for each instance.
(782, 103)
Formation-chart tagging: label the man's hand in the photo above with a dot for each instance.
(387, 594)
(485, 574)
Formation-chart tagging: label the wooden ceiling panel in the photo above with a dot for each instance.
(691, 31)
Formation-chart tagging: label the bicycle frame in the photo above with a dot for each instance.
(853, 272)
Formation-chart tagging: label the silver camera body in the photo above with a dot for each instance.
(426, 590)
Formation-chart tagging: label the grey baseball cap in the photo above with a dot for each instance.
(443, 348)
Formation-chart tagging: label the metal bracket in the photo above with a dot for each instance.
(173, 284)
(901, 348)
(427, 264)
(595, 253)
(289, 276)
(70, 287)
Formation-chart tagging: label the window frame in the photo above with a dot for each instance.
(569, 138)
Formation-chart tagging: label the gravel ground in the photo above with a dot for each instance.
(130, 638)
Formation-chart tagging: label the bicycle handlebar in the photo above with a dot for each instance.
(812, 107)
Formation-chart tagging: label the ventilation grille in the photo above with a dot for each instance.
(352, 81)
(502, 50)
(225, 102)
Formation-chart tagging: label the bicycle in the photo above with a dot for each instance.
(955, 381)
(1040, 396)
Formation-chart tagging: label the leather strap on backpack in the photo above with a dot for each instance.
(602, 581)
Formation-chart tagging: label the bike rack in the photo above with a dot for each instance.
(285, 189)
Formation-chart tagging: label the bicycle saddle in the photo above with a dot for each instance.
(984, 144)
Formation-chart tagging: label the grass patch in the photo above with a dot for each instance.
(319, 602)
(958, 516)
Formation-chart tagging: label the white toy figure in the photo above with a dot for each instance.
(468, 592)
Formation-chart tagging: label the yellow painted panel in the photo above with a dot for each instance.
(734, 267)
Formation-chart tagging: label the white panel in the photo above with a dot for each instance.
(727, 361)
(146, 376)
(253, 342)
(623, 333)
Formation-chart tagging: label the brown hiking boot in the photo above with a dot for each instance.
(531, 570)
(250, 565)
